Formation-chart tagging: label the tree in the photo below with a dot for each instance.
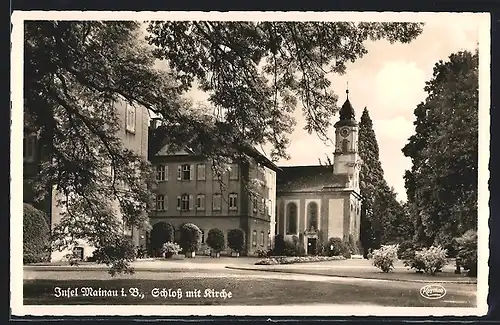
(190, 237)
(236, 239)
(215, 240)
(383, 218)
(442, 183)
(75, 70)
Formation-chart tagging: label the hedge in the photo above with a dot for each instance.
(36, 235)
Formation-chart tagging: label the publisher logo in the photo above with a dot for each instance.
(433, 291)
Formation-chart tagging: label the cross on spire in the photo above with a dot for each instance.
(347, 90)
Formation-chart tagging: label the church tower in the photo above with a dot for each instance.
(346, 159)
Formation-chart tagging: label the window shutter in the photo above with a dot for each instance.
(178, 203)
(166, 172)
(190, 202)
(179, 172)
(192, 170)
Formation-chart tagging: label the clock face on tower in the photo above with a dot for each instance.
(344, 132)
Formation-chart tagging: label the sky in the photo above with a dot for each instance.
(389, 80)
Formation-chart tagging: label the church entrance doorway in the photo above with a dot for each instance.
(311, 246)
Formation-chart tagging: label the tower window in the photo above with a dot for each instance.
(345, 146)
(312, 210)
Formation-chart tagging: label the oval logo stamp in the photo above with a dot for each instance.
(433, 291)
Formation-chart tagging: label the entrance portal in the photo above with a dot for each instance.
(311, 246)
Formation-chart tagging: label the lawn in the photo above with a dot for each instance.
(373, 273)
(245, 292)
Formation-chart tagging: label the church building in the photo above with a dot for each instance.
(316, 203)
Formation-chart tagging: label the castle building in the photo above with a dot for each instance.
(315, 203)
(133, 133)
(189, 190)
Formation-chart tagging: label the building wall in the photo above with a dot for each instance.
(136, 141)
(334, 215)
(247, 216)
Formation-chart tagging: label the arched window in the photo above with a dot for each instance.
(312, 215)
(345, 146)
(291, 218)
(254, 238)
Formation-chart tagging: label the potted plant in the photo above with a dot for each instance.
(170, 249)
(236, 241)
(190, 239)
(215, 240)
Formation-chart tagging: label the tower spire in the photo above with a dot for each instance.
(347, 89)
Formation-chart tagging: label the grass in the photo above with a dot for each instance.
(247, 292)
(373, 273)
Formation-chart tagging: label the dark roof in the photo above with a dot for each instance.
(308, 178)
(346, 114)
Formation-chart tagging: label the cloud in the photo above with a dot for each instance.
(399, 88)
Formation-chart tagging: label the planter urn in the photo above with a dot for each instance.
(235, 254)
(190, 254)
(215, 254)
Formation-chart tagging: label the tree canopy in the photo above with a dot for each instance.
(442, 183)
(255, 72)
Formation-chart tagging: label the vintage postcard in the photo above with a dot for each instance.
(249, 163)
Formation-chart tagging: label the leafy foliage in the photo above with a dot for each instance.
(117, 254)
(215, 239)
(467, 252)
(442, 183)
(169, 249)
(255, 73)
(430, 259)
(160, 234)
(236, 239)
(384, 257)
(36, 235)
(384, 220)
(190, 240)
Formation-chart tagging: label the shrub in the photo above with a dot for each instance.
(36, 235)
(406, 250)
(215, 240)
(430, 259)
(262, 253)
(335, 246)
(236, 239)
(161, 233)
(279, 245)
(117, 253)
(190, 240)
(170, 249)
(384, 257)
(290, 249)
(141, 252)
(467, 251)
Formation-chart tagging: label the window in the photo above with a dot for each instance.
(233, 201)
(234, 172)
(29, 145)
(262, 238)
(291, 219)
(184, 173)
(130, 120)
(185, 202)
(161, 173)
(200, 172)
(262, 206)
(269, 238)
(345, 146)
(200, 202)
(254, 238)
(312, 215)
(202, 237)
(216, 202)
(160, 203)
